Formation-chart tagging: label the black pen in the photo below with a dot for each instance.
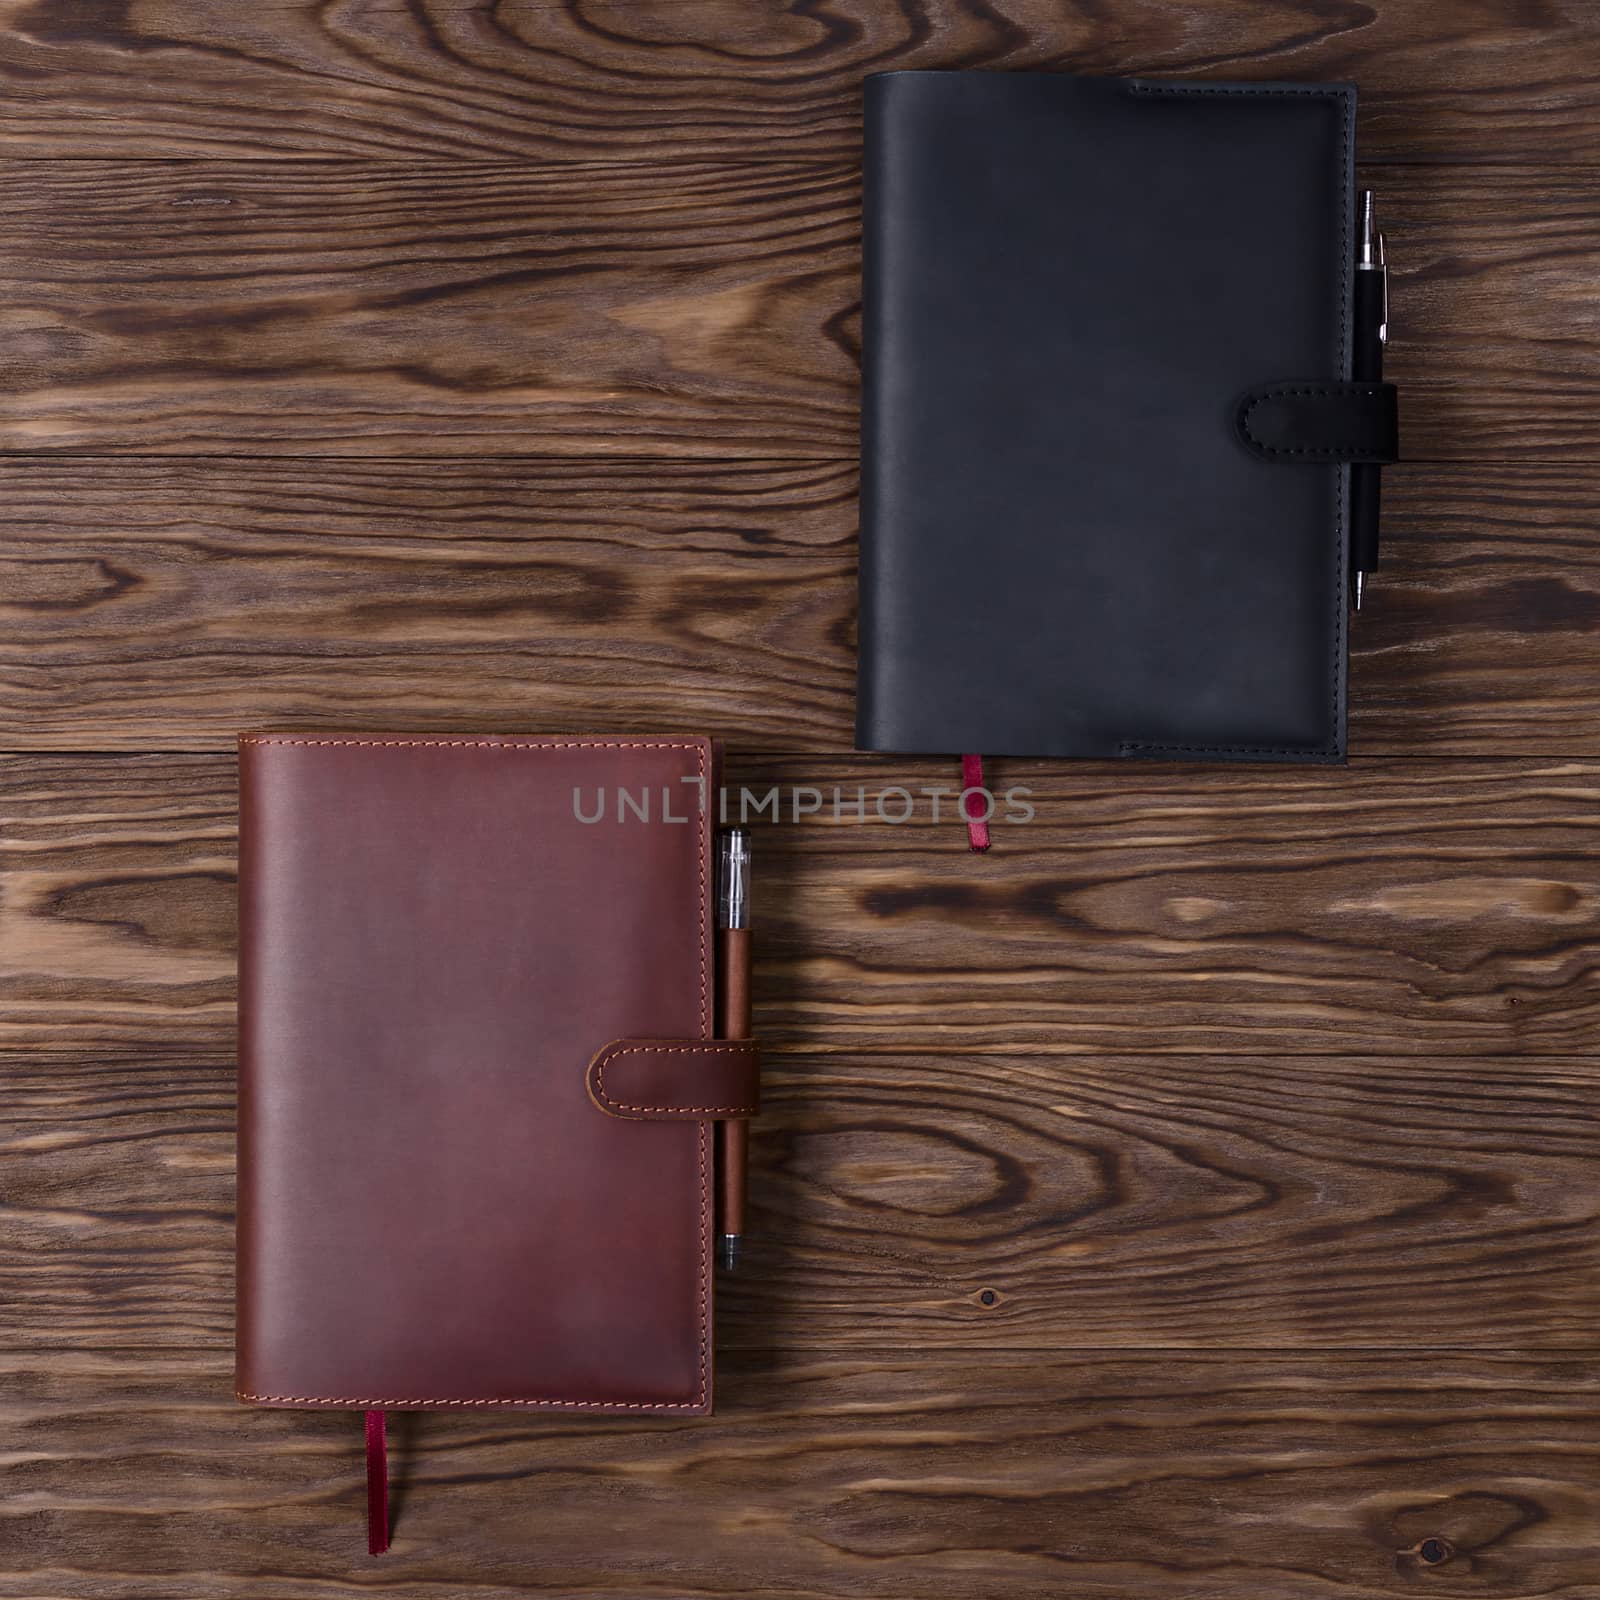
(1372, 334)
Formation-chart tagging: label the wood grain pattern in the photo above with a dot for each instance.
(119, 1200)
(1479, 636)
(145, 907)
(297, 308)
(168, 604)
(626, 309)
(1193, 1199)
(1482, 80)
(1397, 908)
(944, 1201)
(1180, 1201)
(1001, 1477)
(1515, 383)
(1428, 908)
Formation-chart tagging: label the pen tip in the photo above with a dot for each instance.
(728, 1252)
(1361, 584)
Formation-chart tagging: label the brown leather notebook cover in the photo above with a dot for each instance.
(475, 1096)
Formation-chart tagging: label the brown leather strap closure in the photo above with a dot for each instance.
(677, 1080)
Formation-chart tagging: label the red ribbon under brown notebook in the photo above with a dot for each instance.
(478, 1076)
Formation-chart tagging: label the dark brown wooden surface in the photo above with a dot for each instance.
(1473, 80)
(946, 1202)
(692, 309)
(494, 594)
(1194, 1198)
(991, 1474)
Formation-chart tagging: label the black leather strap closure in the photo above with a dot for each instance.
(1319, 422)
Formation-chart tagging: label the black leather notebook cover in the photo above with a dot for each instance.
(1067, 548)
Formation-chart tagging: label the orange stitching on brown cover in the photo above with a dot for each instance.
(509, 743)
(707, 1047)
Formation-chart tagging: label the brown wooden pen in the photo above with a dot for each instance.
(733, 1022)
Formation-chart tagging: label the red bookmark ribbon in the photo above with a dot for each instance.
(975, 803)
(377, 1485)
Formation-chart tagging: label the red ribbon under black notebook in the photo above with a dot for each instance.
(1115, 412)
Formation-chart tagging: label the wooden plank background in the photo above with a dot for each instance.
(1194, 1197)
